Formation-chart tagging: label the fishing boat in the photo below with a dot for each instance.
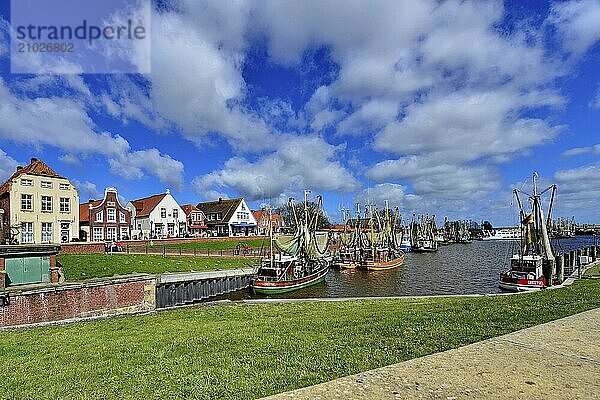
(302, 258)
(382, 251)
(405, 241)
(532, 268)
(348, 253)
(423, 234)
(502, 234)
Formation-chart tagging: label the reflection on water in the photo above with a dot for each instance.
(471, 268)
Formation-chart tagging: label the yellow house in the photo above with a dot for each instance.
(38, 206)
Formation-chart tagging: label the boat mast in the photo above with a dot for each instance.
(272, 256)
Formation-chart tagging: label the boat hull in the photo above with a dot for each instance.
(381, 266)
(277, 287)
(521, 284)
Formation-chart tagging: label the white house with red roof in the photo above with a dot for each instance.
(157, 216)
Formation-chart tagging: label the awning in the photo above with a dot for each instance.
(243, 224)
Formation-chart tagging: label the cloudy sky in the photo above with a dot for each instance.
(436, 106)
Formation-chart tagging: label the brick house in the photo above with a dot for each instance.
(37, 205)
(104, 219)
(195, 220)
(262, 221)
(228, 217)
(157, 216)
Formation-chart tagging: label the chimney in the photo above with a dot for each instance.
(168, 191)
(220, 199)
(33, 159)
(19, 167)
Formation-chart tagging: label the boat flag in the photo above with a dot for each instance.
(528, 220)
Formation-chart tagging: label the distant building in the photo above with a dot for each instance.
(228, 217)
(104, 219)
(195, 220)
(262, 221)
(157, 216)
(39, 206)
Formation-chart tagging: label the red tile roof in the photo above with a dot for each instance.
(144, 207)
(36, 167)
(188, 208)
(84, 210)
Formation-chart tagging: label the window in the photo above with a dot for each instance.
(27, 202)
(26, 232)
(64, 186)
(99, 216)
(171, 229)
(175, 213)
(163, 213)
(46, 232)
(111, 233)
(124, 232)
(46, 184)
(139, 227)
(110, 203)
(111, 215)
(65, 204)
(98, 234)
(26, 182)
(122, 217)
(46, 203)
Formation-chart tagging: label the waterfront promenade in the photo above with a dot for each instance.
(556, 360)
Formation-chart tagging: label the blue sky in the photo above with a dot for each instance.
(438, 107)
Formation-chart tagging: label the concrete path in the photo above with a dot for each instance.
(557, 360)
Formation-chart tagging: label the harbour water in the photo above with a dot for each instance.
(472, 268)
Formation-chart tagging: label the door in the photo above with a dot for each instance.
(65, 232)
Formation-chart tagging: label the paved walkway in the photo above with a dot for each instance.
(557, 360)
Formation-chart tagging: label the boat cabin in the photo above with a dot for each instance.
(527, 265)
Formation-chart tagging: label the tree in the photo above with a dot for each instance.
(9, 234)
(313, 208)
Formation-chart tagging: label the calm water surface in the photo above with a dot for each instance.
(471, 268)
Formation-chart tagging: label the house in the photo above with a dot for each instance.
(195, 220)
(104, 219)
(228, 217)
(156, 216)
(37, 205)
(262, 220)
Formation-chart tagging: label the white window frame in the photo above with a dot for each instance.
(111, 233)
(46, 232)
(124, 231)
(111, 215)
(46, 184)
(26, 182)
(46, 202)
(163, 212)
(64, 186)
(26, 199)
(122, 217)
(98, 234)
(26, 232)
(175, 213)
(99, 216)
(65, 204)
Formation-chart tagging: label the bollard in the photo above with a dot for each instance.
(560, 268)
(579, 263)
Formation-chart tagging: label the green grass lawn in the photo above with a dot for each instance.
(211, 245)
(247, 351)
(85, 266)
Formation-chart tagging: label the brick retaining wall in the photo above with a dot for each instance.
(44, 303)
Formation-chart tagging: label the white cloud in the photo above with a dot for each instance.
(305, 162)
(64, 123)
(578, 22)
(582, 150)
(579, 192)
(87, 190)
(131, 166)
(7, 166)
(202, 94)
